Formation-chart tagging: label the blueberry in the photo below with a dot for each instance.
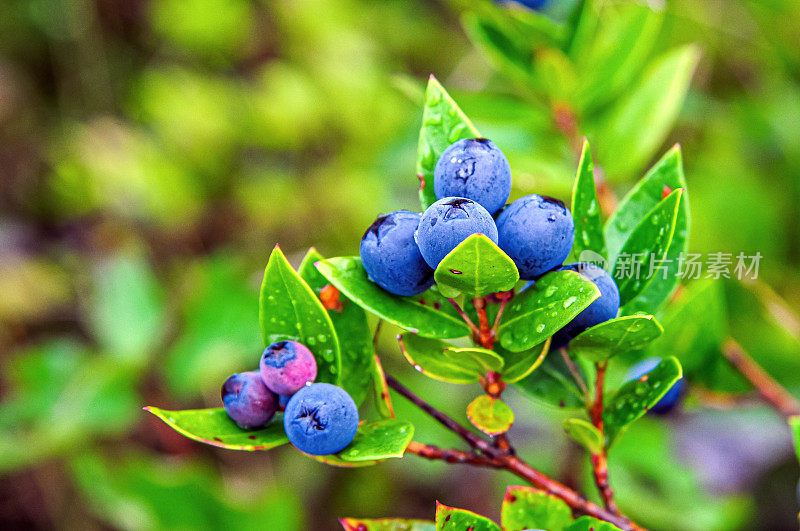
(531, 4)
(601, 310)
(247, 400)
(669, 400)
(391, 256)
(476, 169)
(320, 419)
(447, 223)
(536, 232)
(287, 366)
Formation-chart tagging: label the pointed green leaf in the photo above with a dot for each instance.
(528, 508)
(586, 209)
(289, 309)
(518, 365)
(447, 363)
(386, 524)
(452, 519)
(666, 175)
(443, 122)
(635, 397)
(585, 434)
(490, 415)
(215, 427)
(616, 336)
(352, 332)
(645, 114)
(544, 308)
(794, 424)
(647, 244)
(382, 439)
(431, 319)
(476, 267)
(587, 523)
(552, 383)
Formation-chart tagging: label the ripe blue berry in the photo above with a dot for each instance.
(599, 311)
(391, 256)
(531, 4)
(448, 222)
(669, 400)
(476, 169)
(287, 366)
(536, 232)
(320, 419)
(247, 400)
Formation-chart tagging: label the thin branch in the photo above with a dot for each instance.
(600, 459)
(769, 389)
(574, 372)
(472, 327)
(496, 324)
(450, 455)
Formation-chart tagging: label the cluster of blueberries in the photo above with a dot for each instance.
(472, 182)
(319, 418)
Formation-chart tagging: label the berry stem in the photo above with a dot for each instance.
(489, 456)
(573, 370)
(462, 313)
(770, 390)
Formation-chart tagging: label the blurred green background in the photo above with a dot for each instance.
(152, 152)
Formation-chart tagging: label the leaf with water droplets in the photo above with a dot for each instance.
(646, 248)
(476, 267)
(452, 519)
(585, 434)
(529, 508)
(490, 415)
(386, 524)
(382, 439)
(666, 175)
(443, 123)
(447, 363)
(634, 398)
(289, 309)
(352, 331)
(586, 209)
(215, 427)
(426, 314)
(544, 308)
(518, 365)
(616, 336)
(587, 523)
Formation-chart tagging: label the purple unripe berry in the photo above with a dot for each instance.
(321, 419)
(247, 400)
(287, 366)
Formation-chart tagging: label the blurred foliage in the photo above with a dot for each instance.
(152, 152)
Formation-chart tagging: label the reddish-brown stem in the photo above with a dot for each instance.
(449, 455)
(493, 457)
(462, 313)
(496, 324)
(770, 390)
(600, 459)
(485, 335)
(573, 370)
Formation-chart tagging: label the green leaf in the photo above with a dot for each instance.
(587, 523)
(476, 267)
(215, 427)
(289, 309)
(352, 332)
(386, 524)
(616, 336)
(382, 439)
(586, 209)
(518, 365)
(452, 519)
(666, 175)
(544, 308)
(552, 383)
(127, 308)
(427, 320)
(382, 399)
(648, 243)
(794, 424)
(490, 415)
(443, 122)
(528, 508)
(585, 434)
(504, 48)
(634, 398)
(644, 115)
(442, 361)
